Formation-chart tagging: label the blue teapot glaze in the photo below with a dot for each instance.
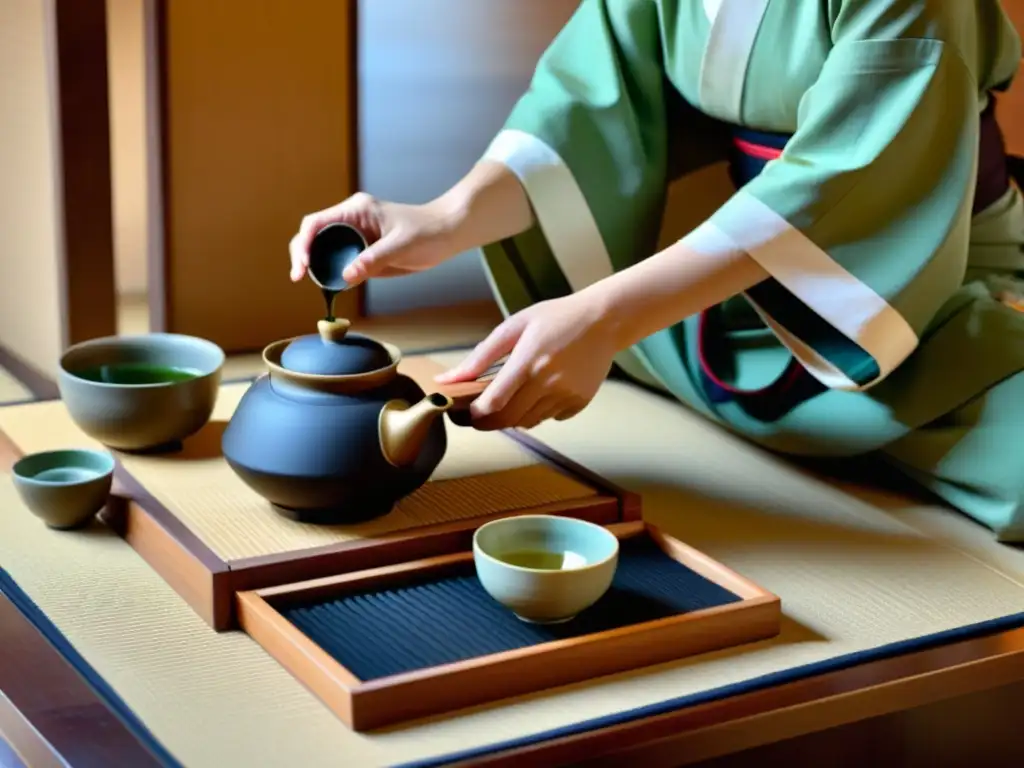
(334, 434)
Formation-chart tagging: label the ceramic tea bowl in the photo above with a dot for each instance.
(65, 489)
(545, 569)
(136, 393)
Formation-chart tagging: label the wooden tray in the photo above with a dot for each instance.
(422, 638)
(208, 582)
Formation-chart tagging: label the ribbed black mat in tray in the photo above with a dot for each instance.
(444, 620)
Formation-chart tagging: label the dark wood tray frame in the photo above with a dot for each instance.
(208, 583)
(366, 705)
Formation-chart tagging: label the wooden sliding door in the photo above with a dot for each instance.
(56, 241)
(257, 116)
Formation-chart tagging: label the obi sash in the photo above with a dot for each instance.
(750, 152)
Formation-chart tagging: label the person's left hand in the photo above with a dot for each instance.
(559, 353)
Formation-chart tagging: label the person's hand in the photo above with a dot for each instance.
(559, 353)
(402, 238)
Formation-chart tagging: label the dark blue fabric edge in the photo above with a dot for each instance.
(925, 642)
(35, 615)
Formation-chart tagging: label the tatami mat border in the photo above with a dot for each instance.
(926, 642)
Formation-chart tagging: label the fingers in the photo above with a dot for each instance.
(395, 272)
(347, 212)
(298, 252)
(545, 408)
(569, 410)
(526, 409)
(499, 343)
(373, 262)
(298, 248)
(506, 385)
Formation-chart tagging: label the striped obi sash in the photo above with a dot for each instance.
(750, 152)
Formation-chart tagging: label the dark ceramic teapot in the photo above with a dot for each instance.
(334, 434)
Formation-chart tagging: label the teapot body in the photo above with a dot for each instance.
(317, 456)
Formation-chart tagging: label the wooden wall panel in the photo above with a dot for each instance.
(130, 161)
(30, 301)
(87, 266)
(258, 129)
(1011, 105)
(56, 241)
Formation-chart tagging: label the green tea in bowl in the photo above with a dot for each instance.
(137, 373)
(136, 393)
(544, 568)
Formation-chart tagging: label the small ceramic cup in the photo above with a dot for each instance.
(65, 489)
(545, 569)
(333, 248)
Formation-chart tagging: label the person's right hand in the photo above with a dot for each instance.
(402, 239)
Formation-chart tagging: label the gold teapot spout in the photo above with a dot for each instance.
(403, 428)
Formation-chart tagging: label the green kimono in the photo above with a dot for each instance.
(886, 281)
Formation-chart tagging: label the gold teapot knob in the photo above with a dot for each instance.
(333, 330)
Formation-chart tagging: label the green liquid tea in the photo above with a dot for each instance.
(329, 296)
(539, 560)
(137, 373)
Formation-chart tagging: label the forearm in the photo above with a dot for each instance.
(670, 286)
(486, 205)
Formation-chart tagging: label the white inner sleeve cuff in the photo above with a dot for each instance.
(558, 203)
(566, 220)
(747, 225)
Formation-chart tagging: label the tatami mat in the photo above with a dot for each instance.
(852, 577)
(482, 473)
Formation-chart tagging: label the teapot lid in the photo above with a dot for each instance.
(333, 352)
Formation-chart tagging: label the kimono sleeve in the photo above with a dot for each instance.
(864, 222)
(588, 143)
